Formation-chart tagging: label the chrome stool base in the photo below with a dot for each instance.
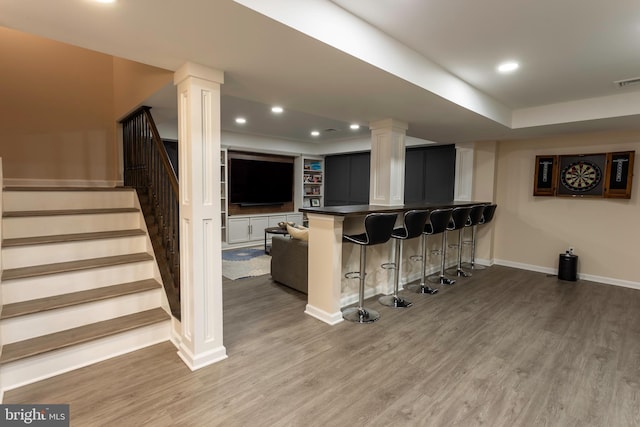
(420, 288)
(360, 315)
(394, 301)
(473, 267)
(440, 280)
(459, 272)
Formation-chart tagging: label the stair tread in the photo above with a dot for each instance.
(75, 237)
(58, 340)
(67, 189)
(61, 267)
(52, 212)
(75, 298)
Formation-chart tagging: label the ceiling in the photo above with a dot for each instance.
(430, 63)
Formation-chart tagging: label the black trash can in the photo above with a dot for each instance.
(568, 267)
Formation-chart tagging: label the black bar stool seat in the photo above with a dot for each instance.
(413, 226)
(378, 228)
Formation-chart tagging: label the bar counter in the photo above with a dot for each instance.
(326, 227)
(353, 210)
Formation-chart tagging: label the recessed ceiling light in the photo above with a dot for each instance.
(508, 67)
(105, 1)
(241, 120)
(277, 109)
(355, 126)
(315, 133)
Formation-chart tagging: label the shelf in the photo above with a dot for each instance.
(312, 182)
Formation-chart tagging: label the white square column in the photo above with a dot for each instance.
(387, 162)
(325, 268)
(200, 243)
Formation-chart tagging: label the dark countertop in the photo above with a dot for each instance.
(353, 210)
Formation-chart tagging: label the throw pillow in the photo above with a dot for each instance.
(300, 232)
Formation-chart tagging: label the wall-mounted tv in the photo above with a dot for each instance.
(260, 182)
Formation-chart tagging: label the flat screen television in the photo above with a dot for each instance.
(260, 182)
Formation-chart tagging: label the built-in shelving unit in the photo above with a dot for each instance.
(223, 193)
(312, 182)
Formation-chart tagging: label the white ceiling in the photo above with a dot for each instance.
(430, 63)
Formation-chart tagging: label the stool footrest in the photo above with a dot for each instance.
(389, 265)
(352, 275)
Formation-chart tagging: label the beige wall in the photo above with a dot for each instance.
(531, 231)
(59, 111)
(134, 82)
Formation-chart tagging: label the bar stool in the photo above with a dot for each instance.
(438, 222)
(414, 222)
(459, 217)
(377, 230)
(475, 216)
(487, 216)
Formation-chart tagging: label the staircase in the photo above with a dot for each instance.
(79, 282)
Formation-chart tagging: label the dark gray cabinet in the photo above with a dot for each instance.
(347, 179)
(429, 176)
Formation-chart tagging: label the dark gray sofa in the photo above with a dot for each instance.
(289, 262)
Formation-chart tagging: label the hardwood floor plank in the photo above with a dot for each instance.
(503, 348)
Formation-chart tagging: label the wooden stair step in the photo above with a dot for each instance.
(24, 214)
(63, 267)
(67, 189)
(75, 237)
(46, 343)
(75, 298)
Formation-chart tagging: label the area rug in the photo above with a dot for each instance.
(245, 262)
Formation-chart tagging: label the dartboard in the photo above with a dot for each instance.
(581, 176)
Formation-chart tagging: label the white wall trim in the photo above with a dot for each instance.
(329, 318)
(202, 359)
(554, 272)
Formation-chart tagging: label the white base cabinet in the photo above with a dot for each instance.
(244, 229)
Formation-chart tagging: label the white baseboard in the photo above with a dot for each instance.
(23, 182)
(328, 318)
(195, 362)
(554, 272)
(523, 266)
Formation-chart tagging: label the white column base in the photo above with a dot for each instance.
(203, 359)
(328, 318)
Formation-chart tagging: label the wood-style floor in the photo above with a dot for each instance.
(503, 348)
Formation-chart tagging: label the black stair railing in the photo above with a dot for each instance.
(147, 168)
